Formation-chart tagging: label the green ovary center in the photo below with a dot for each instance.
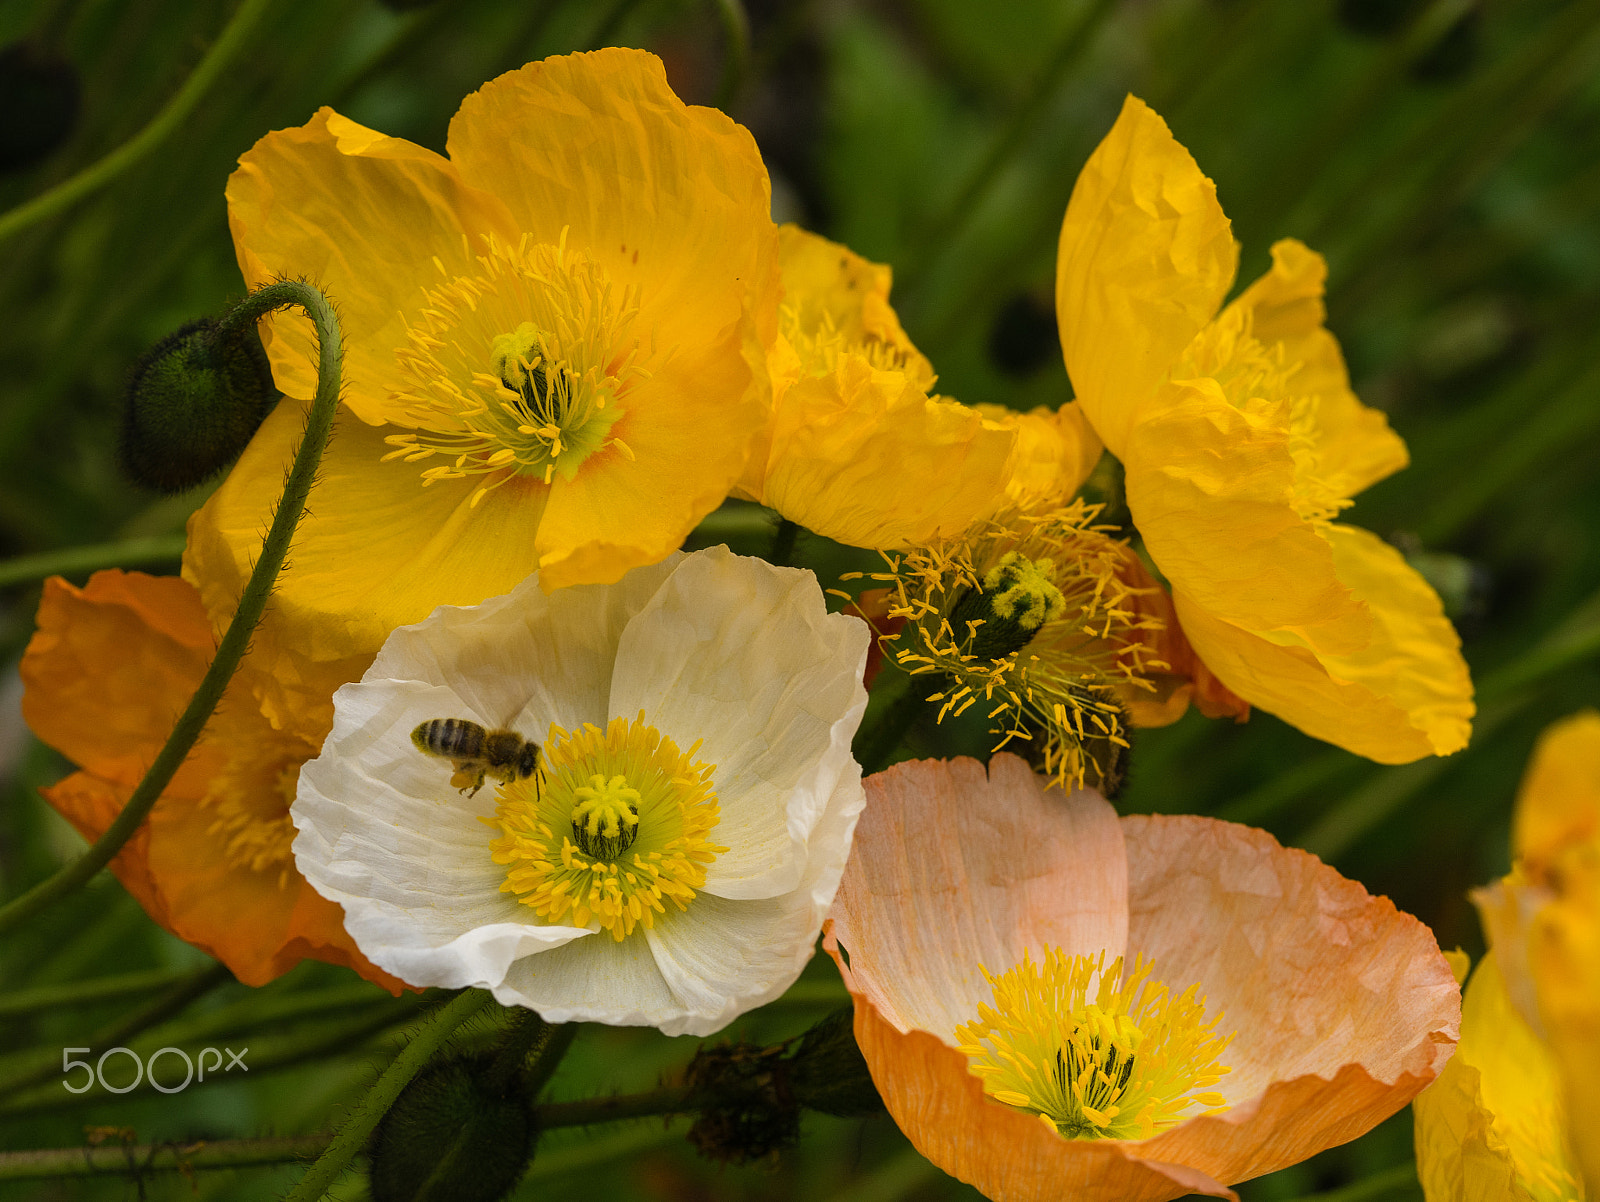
(523, 370)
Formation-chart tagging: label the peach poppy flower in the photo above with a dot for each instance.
(1516, 1115)
(1242, 442)
(109, 669)
(1327, 1008)
(555, 345)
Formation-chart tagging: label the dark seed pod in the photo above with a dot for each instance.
(194, 400)
(829, 1073)
(40, 97)
(451, 1137)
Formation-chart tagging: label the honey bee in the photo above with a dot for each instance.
(476, 753)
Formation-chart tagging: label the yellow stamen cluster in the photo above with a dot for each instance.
(1050, 682)
(522, 370)
(612, 827)
(248, 800)
(1260, 382)
(1093, 1055)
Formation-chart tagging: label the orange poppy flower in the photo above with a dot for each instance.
(107, 672)
(1152, 1005)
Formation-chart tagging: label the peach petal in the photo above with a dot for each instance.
(953, 868)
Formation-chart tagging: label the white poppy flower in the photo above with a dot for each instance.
(672, 864)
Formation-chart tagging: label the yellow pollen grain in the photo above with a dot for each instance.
(628, 777)
(1094, 1055)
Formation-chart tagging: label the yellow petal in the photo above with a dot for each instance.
(1404, 695)
(867, 458)
(1056, 450)
(363, 216)
(1490, 1129)
(1354, 445)
(662, 195)
(375, 549)
(1559, 802)
(1145, 258)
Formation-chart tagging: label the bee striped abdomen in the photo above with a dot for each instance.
(456, 738)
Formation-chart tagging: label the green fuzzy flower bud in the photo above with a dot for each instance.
(194, 400)
(1017, 597)
(452, 1136)
(829, 1073)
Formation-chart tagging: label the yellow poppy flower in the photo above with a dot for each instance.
(1242, 442)
(1517, 1115)
(1058, 1003)
(555, 344)
(108, 670)
(858, 449)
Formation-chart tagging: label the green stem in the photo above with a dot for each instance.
(947, 227)
(160, 548)
(735, 49)
(1401, 1177)
(874, 747)
(598, 1152)
(526, 1034)
(86, 993)
(671, 1099)
(165, 123)
(784, 538)
(134, 1161)
(319, 424)
(352, 1137)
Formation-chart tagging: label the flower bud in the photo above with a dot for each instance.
(746, 1110)
(828, 1072)
(451, 1136)
(39, 101)
(194, 400)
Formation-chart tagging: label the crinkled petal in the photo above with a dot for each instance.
(592, 980)
(376, 549)
(1406, 694)
(1344, 1007)
(1489, 1129)
(769, 684)
(867, 458)
(1055, 451)
(1355, 446)
(384, 834)
(954, 868)
(362, 216)
(670, 197)
(1145, 258)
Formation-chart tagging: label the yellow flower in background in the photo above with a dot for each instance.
(1055, 1002)
(1242, 442)
(1516, 1115)
(859, 450)
(555, 344)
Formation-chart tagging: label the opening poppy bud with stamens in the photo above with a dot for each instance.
(1016, 599)
(194, 401)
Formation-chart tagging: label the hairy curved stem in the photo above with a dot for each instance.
(161, 127)
(234, 643)
(353, 1135)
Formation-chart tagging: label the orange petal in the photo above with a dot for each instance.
(363, 216)
(1145, 258)
(111, 667)
(953, 867)
(1344, 1006)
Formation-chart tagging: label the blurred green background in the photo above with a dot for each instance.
(1443, 156)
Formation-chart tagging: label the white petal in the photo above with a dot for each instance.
(383, 833)
(724, 957)
(743, 656)
(525, 660)
(592, 980)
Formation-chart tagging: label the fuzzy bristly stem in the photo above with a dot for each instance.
(352, 1137)
(319, 424)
